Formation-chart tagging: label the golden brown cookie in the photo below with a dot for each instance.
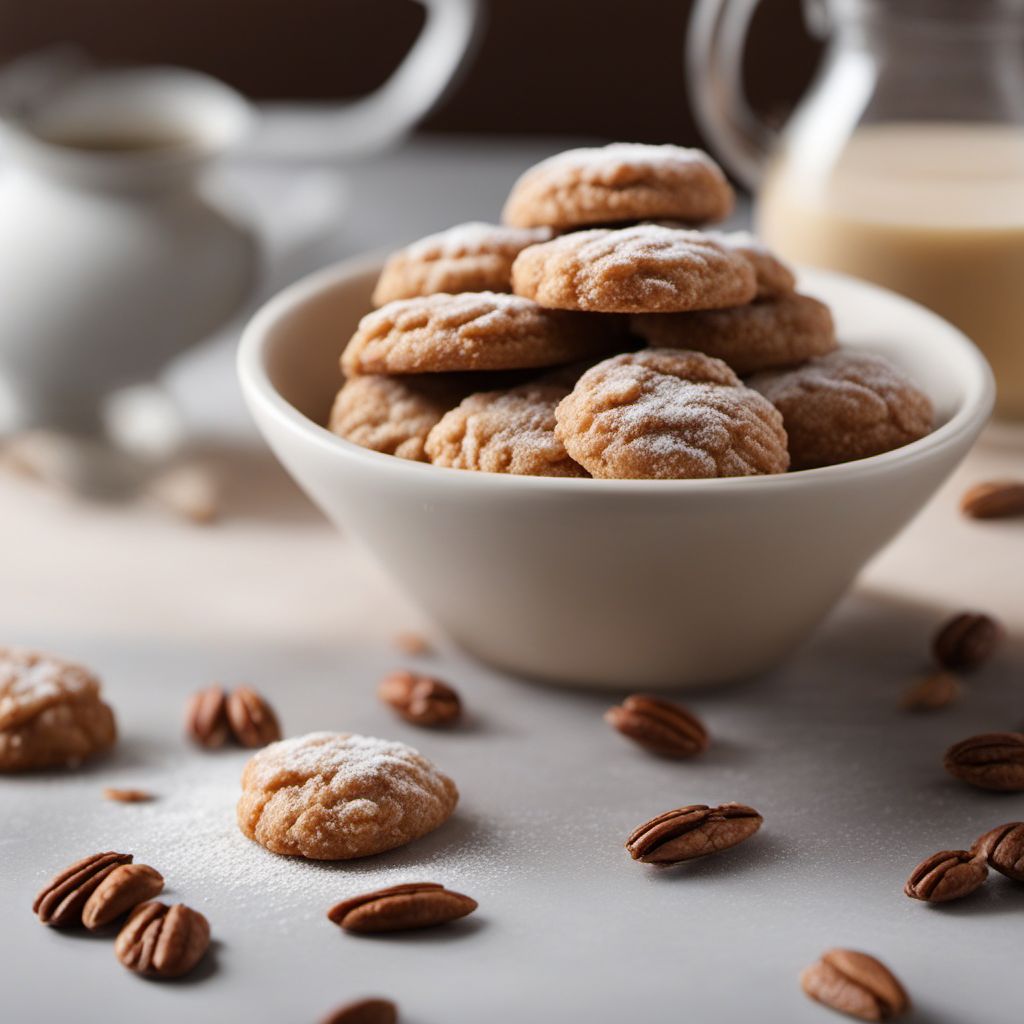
(620, 182)
(774, 278)
(472, 331)
(51, 714)
(668, 414)
(473, 257)
(646, 268)
(759, 336)
(335, 796)
(845, 406)
(504, 432)
(393, 414)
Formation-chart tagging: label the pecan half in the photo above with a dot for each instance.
(1003, 849)
(659, 726)
(693, 831)
(421, 700)
(365, 1011)
(932, 693)
(995, 499)
(855, 984)
(252, 720)
(993, 760)
(163, 942)
(401, 907)
(124, 888)
(947, 875)
(59, 903)
(206, 719)
(966, 641)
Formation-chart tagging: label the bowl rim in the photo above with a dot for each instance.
(974, 409)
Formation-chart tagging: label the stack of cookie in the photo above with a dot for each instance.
(620, 352)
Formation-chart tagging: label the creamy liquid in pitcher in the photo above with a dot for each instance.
(934, 211)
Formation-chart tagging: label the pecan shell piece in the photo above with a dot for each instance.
(993, 760)
(966, 641)
(163, 942)
(421, 700)
(693, 831)
(59, 903)
(206, 719)
(659, 726)
(856, 984)
(1003, 849)
(252, 720)
(125, 887)
(401, 908)
(364, 1011)
(946, 875)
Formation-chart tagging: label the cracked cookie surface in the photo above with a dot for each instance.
(336, 796)
(669, 414)
(644, 268)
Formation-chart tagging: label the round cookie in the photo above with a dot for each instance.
(774, 278)
(668, 414)
(845, 406)
(504, 432)
(393, 414)
(621, 182)
(470, 331)
(759, 336)
(51, 714)
(473, 257)
(646, 268)
(335, 796)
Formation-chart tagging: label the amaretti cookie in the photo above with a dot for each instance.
(763, 335)
(471, 331)
(668, 414)
(472, 257)
(621, 182)
(640, 269)
(845, 406)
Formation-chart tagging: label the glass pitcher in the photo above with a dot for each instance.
(904, 163)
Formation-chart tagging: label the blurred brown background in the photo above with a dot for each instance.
(606, 68)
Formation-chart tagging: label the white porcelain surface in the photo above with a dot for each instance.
(613, 583)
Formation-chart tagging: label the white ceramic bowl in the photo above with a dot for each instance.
(631, 583)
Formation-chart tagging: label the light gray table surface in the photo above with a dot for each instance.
(569, 928)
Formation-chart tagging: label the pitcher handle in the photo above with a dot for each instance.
(715, 41)
(330, 130)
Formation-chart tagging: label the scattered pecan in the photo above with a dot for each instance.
(947, 875)
(252, 719)
(1003, 849)
(365, 1011)
(401, 907)
(659, 726)
(206, 718)
(995, 499)
(694, 831)
(855, 984)
(966, 641)
(127, 796)
(163, 942)
(124, 888)
(412, 643)
(932, 693)
(993, 760)
(420, 699)
(60, 902)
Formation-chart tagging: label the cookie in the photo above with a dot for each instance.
(646, 268)
(335, 796)
(51, 713)
(470, 331)
(774, 278)
(504, 432)
(669, 414)
(759, 336)
(845, 406)
(474, 257)
(393, 414)
(621, 182)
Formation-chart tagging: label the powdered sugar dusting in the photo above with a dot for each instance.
(608, 159)
(475, 237)
(29, 679)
